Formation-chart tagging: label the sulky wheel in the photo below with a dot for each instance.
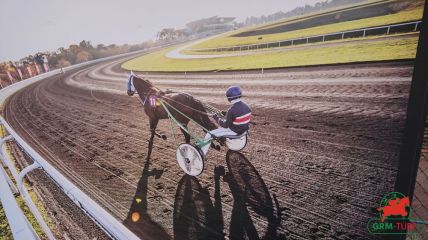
(237, 144)
(189, 159)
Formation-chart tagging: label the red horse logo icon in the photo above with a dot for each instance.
(395, 207)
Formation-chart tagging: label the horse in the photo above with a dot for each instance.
(395, 207)
(185, 103)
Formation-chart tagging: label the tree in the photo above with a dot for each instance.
(85, 44)
(3, 67)
(83, 56)
(166, 34)
(74, 48)
(181, 33)
(53, 59)
(63, 63)
(321, 5)
(100, 46)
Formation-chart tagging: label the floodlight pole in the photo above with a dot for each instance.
(416, 117)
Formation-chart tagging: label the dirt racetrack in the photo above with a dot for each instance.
(322, 153)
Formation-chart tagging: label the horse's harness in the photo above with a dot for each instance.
(146, 95)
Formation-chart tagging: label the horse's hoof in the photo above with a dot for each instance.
(215, 146)
(219, 171)
(164, 137)
(227, 177)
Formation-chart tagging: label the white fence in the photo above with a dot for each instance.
(19, 225)
(364, 32)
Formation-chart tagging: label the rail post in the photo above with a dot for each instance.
(388, 30)
(18, 223)
(416, 26)
(5, 158)
(364, 33)
(22, 190)
(26, 196)
(343, 36)
(8, 180)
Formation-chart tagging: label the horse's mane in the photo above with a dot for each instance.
(146, 81)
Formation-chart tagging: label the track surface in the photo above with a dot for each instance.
(322, 154)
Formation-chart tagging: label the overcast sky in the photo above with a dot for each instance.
(28, 26)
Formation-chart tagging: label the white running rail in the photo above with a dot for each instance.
(19, 225)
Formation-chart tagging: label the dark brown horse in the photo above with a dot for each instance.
(185, 103)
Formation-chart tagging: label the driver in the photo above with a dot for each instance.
(236, 121)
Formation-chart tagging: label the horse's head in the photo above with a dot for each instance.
(142, 86)
(130, 85)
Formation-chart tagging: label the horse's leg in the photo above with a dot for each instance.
(215, 146)
(186, 135)
(153, 124)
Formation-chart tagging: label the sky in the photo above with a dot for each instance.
(29, 26)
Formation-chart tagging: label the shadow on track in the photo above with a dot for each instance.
(249, 190)
(195, 216)
(138, 221)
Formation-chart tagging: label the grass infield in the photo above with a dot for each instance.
(386, 49)
(228, 40)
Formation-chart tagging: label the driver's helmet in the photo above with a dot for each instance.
(233, 92)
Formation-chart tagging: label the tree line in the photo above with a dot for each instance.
(63, 57)
(319, 6)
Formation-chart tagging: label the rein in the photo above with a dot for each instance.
(208, 107)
